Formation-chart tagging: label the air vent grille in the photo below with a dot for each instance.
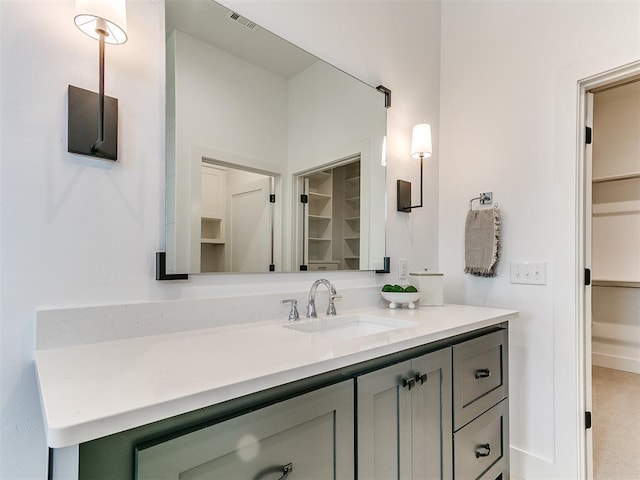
(242, 20)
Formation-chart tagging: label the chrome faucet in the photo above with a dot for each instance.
(311, 305)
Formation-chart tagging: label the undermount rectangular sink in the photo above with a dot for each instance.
(349, 326)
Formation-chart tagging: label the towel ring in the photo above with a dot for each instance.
(485, 198)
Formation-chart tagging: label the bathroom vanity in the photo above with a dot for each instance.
(420, 393)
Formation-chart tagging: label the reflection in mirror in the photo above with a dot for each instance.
(236, 233)
(331, 230)
(253, 124)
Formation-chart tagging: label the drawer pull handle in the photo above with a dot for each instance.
(483, 450)
(286, 470)
(409, 383)
(421, 378)
(483, 373)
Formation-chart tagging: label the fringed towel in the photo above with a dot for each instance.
(482, 242)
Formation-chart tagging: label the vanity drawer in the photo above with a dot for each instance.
(480, 376)
(481, 449)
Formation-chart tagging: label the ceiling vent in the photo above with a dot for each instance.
(245, 22)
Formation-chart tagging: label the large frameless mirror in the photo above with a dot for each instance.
(275, 159)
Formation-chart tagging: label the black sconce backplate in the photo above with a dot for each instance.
(403, 196)
(83, 124)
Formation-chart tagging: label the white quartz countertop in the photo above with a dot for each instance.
(90, 391)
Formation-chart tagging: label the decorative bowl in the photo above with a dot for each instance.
(397, 299)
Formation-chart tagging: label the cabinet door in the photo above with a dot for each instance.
(404, 420)
(384, 424)
(431, 417)
(310, 435)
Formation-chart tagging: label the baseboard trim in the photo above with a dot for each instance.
(615, 362)
(530, 467)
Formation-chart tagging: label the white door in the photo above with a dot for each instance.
(250, 227)
(588, 157)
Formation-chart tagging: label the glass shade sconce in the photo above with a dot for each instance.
(420, 148)
(93, 117)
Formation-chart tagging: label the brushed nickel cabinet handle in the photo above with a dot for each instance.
(286, 470)
(421, 377)
(409, 383)
(483, 450)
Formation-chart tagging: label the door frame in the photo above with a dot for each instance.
(583, 234)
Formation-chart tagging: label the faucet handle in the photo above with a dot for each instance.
(293, 313)
(331, 309)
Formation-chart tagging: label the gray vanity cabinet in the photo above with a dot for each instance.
(404, 419)
(306, 437)
(437, 411)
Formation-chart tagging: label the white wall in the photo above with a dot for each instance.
(510, 73)
(77, 231)
(252, 101)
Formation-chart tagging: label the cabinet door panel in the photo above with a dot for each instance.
(313, 432)
(431, 420)
(384, 424)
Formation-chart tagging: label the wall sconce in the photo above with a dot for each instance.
(420, 148)
(93, 117)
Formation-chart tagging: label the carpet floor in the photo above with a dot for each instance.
(616, 425)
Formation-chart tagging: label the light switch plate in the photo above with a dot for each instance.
(529, 273)
(403, 269)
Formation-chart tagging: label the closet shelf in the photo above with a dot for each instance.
(213, 241)
(320, 196)
(615, 208)
(615, 283)
(615, 178)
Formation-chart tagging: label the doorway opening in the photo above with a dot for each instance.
(609, 224)
(330, 216)
(237, 219)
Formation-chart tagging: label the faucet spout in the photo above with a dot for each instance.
(311, 305)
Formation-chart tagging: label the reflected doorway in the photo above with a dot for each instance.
(331, 209)
(236, 228)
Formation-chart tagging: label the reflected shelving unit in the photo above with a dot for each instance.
(351, 220)
(212, 219)
(332, 220)
(320, 221)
